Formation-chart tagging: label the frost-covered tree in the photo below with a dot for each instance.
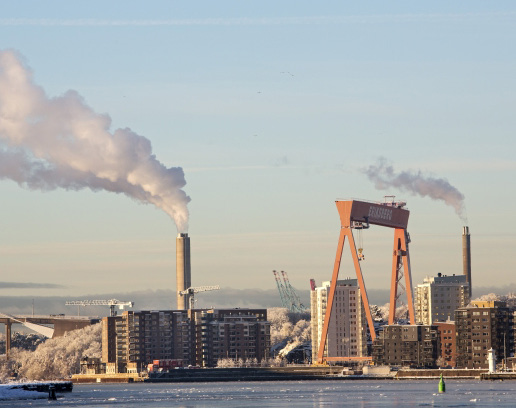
(24, 341)
(381, 313)
(7, 369)
(225, 363)
(285, 325)
(252, 362)
(231, 363)
(60, 357)
(288, 331)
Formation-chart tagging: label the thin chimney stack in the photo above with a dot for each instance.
(466, 256)
(183, 270)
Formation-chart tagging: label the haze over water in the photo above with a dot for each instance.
(342, 393)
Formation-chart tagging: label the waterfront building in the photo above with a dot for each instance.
(231, 333)
(447, 335)
(133, 340)
(480, 326)
(92, 365)
(438, 297)
(407, 345)
(347, 330)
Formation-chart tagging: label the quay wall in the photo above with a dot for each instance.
(424, 374)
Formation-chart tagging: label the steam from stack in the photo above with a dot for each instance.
(384, 176)
(60, 142)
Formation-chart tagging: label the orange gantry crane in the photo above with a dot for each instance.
(360, 215)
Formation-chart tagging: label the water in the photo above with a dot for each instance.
(288, 394)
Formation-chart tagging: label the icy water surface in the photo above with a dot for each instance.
(291, 394)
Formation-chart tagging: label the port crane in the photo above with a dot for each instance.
(190, 292)
(359, 215)
(288, 295)
(112, 303)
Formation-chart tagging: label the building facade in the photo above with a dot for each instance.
(231, 333)
(407, 345)
(348, 325)
(438, 297)
(447, 335)
(480, 326)
(133, 340)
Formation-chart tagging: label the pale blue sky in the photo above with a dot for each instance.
(271, 109)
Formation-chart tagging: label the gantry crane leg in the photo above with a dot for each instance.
(344, 232)
(400, 257)
(329, 300)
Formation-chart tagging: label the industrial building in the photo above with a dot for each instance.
(133, 340)
(480, 326)
(407, 345)
(347, 329)
(438, 297)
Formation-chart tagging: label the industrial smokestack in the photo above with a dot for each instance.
(466, 256)
(183, 270)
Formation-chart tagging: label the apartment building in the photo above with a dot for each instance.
(348, 325)
(407, 345)
(134, 339)
(447, 335)
(480, 326)
(231, 333)
(438, 297)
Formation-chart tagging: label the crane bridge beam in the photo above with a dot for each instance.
(389, 214)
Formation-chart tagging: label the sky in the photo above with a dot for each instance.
(273, 110)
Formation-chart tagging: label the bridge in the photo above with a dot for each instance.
(40, 323)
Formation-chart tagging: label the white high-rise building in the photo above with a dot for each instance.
(438, 297)
(348, 324)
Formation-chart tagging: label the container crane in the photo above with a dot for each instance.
(297, 306)
(285, 302)
(111, 303)
(288, 295)
(192, 291)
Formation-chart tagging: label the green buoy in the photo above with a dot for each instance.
(442, 385)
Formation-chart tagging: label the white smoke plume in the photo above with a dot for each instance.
(384, 176)
(60, 142)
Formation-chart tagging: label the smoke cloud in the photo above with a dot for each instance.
(60, 142)
(384, 176)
